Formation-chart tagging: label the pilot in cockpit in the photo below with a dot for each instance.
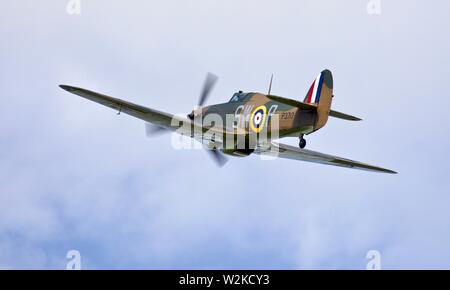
(239, 96)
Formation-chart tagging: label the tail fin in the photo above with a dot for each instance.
(321, 93)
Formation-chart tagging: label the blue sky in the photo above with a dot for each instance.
(74, 175)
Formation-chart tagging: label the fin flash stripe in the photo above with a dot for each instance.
(314, 92)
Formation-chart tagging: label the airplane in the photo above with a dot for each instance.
(252, 114)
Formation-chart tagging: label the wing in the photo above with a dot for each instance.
(295, 153)
(164, 120)
(149, 115)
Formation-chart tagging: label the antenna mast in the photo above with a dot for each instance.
(270, 85)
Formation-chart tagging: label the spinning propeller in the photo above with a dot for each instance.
(152, 130)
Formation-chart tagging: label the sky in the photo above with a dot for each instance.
(75, 176)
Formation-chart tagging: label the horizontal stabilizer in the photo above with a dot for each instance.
(343, 116)
(312, 107)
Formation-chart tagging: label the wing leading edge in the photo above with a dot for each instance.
(295, 153)
(161, 119)
(158, 118)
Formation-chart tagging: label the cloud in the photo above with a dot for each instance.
(74, 175)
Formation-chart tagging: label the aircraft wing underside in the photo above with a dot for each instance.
(295, 153)
(158, 118)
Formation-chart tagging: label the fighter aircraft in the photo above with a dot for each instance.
(253, 122)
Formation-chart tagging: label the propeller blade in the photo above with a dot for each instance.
(153, 130)
(218, 157)
(210, 81)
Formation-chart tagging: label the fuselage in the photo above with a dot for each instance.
(251, 119)
(241, 112)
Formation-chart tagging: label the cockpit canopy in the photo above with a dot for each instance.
(238, 97)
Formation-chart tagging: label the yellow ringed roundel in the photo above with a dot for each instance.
(258, 118)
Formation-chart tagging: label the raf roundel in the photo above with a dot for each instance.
(258, 119)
